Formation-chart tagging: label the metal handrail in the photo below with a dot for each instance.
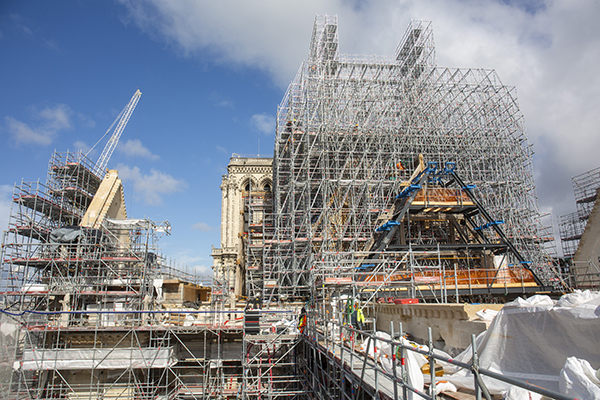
(315, 335)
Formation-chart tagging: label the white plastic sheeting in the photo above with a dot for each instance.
(119, 358)
(413, 363)
(531, 339)
(9, 334)
(158, 286)
(382, 352)
(289, 325)
(486, 315)
(517, 393)
(444, 386)
(577, 298)
(579, 380)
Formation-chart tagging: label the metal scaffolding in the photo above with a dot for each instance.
(571, 226)
(349, 130)
(269, 356)
(391, 177)
(257, 236)
(436, 243)
(100, 313)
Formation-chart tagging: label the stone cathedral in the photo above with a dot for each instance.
(244, 176)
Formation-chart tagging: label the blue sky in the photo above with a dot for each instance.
(70, 67)
(212, 74)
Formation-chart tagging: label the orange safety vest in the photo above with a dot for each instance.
(302, 323)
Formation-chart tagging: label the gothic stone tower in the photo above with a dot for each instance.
(244, 176)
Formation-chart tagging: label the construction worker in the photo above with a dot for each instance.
(302, 320)
(349, 310)
(288, 126)
(357, 317)
(360, 317)
(354, 316)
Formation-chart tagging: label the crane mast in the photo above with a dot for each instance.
(122, 119)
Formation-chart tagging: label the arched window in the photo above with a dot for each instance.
(267, 187)
(247, 185)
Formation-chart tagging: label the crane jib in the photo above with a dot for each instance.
(122, 119)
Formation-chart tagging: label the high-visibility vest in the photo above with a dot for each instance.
(360, 316)
(302, 322)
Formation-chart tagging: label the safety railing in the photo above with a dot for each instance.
(394, 378)
(585, 275)
(430, 277)
(270, 341)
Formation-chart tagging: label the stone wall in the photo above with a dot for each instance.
(243, 174)
(452, 324)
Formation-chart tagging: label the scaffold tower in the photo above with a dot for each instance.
(96, 311)
(349, 132)
(572, 225)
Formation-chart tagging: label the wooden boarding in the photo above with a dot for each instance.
(338, 281)
(463, 277)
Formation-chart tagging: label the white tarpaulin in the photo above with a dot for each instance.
(158, 286)
(382, 352)
(579, 379)
(530, 340)
(70, 359)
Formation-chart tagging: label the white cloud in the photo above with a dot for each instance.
(263, 123)
(52, 121)
(201, 226)
(203, 270)
(150, 188)
(225, 104)
(86, 121)
(135, 148)
(82, 146)
(5, 205)
(20, 23)
(56, 118)
(51, 44)
(252, 34)
(221, 101)
(24, 134)
(549, 50)
(194, 264)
